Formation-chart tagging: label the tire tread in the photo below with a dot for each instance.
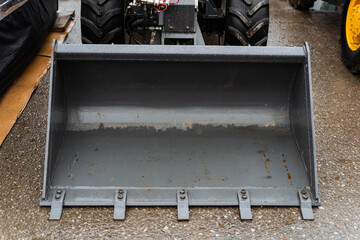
(247, 22)
(102, 21)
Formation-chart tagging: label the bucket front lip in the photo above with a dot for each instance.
(104, 196)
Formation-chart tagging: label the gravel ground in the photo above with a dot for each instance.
(336, 95)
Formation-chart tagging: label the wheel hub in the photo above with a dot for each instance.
(353, 25)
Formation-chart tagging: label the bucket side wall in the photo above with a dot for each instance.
(302, 123)
(57, 118)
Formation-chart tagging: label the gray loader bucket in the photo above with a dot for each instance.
(180, 126)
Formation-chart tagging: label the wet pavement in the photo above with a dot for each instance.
(336, 94)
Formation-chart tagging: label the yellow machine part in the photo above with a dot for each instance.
(353, 25)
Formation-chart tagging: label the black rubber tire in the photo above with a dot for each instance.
(246, 22)
(302, 4)
(350, 58)
(102, 21)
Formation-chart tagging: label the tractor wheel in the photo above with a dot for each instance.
(247, 22)
(102, 21)
(350, 35)
(302, 4)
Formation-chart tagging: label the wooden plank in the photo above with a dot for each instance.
(63, 19)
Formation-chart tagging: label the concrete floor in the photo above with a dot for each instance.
(336, 95)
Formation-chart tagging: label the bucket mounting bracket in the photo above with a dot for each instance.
(120, 204)
(183, 204)
(244, 205)
(305, 205)
(57, 204)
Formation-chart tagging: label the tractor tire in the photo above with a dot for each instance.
(302, 4)
(350, 52)
(102, 21)
(246, 22)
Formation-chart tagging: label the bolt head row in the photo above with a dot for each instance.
(182, 194)
(304, 194)
(58, 193)
(243, 192)
(171, 27)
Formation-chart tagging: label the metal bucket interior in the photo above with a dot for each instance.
(156, 119)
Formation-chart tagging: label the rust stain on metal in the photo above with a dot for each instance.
(286, 168)
(98, 122)
(282, 129)
(69, 176)
(266, 167)
(224, 178)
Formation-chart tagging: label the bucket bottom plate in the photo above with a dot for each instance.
(203, 159)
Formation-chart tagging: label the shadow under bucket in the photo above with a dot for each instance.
(153, 120)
